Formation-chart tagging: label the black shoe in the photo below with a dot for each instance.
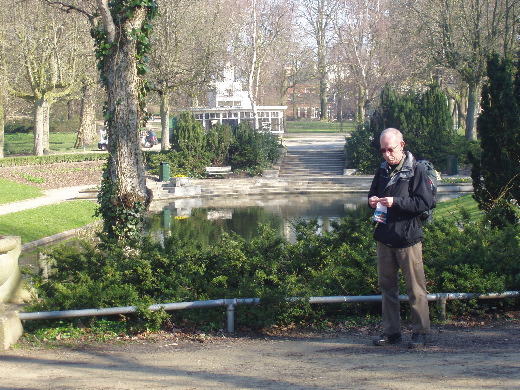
(386, 339)
(417, 341)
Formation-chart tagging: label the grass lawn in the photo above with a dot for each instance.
(23, 143)
(318, 127)
(12, 192)
(45, 221)
(451, 208)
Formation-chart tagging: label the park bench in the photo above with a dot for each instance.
(218, 171)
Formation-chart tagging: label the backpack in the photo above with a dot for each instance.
(434, 177)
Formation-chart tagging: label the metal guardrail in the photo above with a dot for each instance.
(231, 303)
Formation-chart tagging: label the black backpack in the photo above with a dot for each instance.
(433, 176)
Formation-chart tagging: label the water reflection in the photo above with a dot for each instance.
(204, 219)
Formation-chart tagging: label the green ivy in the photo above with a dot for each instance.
(120, 220)
(124, 218)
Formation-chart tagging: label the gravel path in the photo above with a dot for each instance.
(484, 357)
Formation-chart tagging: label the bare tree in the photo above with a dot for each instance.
(264, 22)
(460, 34)
(189, 36)
(47, 63)
(318, 16)
(87, 128)
(90, 94)
(368, 56)
(298, 69)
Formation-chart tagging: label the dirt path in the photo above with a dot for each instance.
(475, 358)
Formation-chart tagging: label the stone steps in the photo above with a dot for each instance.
(320, 162)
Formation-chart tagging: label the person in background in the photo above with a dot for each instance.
(399, 193)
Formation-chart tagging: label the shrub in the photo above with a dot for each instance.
(426, 124)
(218, 142)
(361, 150)
(193, 149)
(50, 159)
(468, 257)
(253, 149)
(19, 126)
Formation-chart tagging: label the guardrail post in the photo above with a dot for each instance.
(441, 303)
(230, 311)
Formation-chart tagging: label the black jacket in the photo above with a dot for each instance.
(412, 194)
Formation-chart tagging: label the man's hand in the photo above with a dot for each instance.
(388, 202)
(373, 201)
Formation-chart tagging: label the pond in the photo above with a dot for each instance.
(204, 219)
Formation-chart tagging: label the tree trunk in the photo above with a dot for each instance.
(46, 110)
(252, 69)
(324, 115)
(40, 108)
(125, 163)
(322, 72)
(87, 128)
(70, 110)
(2, 128)
(360, 114)
(165, 120)
(471, 131)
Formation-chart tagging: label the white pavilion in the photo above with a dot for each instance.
(230, 104)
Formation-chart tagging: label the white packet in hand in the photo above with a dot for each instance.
(380, 213)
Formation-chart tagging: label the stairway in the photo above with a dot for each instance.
(320, 162)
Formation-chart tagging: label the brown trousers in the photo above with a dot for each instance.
(409, 260)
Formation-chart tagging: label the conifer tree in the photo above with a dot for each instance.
(436, 135)
(496, 174)
(423, 118)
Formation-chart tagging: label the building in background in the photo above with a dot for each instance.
(229, 104)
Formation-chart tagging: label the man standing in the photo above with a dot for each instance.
(400, 191)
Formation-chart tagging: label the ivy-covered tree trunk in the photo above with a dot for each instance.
(124, 196)
(2, 128)
(121, 30)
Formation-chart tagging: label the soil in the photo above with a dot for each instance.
(58, 175)
(462, 356)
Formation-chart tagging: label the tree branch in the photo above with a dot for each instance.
(108, 21)
(67, 7)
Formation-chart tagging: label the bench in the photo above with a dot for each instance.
(218, 171)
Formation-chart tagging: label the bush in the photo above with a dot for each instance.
(218, 142)
(19, 126)
(468, 257)
(361, 150)
(426, 124)
(253, 149)
(193, 149)
(476, 250)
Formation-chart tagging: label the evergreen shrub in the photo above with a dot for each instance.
(496, 171)
(424, 119)
(194, 148)
(463, 257)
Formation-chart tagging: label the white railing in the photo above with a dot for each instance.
(231, 303)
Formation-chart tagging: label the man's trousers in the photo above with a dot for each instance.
(409, 260)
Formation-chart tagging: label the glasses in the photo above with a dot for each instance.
(389, 150)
